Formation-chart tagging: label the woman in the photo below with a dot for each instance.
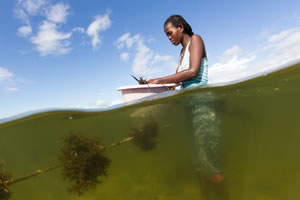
(192, 68)
(191, 72)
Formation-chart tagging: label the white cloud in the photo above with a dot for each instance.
(7, 80)
(145, 61)
(278, 50)
(12, 89)
(50, 41)
(5, 75)
(230, 67)
(57, 13)
(26, 8)
(231, 53)
(116, 102)
(105, 104)
(20, 13)
(126, 40)
(142, 60)
(78, 29)
(32, 6)
(285, 49)
(124, 56)
(158, 59)
(100, 24)
(100, 104)
(280, 36)
(24, 31)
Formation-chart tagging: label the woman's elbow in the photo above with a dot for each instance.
(193, 73)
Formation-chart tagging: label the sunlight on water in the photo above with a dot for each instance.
(247, 132)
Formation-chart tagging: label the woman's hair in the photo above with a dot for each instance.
(177, 20)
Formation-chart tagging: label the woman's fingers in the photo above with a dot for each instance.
(153, 81)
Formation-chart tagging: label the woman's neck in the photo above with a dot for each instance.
(186, 39)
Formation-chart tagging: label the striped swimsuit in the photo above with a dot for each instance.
(201, 78)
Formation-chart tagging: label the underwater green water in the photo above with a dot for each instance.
(257, 144)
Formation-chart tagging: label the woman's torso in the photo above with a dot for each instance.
(201, 78)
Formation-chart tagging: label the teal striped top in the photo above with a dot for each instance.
(201, 78)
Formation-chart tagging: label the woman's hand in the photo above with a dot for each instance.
(153, 81)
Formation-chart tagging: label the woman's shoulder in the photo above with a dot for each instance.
(196, 40)
(196, 37)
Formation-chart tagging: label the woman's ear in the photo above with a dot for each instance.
(180, 27)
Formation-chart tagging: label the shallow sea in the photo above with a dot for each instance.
(257, 145)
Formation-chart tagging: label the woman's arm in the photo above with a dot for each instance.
(196, 49)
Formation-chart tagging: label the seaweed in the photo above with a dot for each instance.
(83, 159)
(4, 179)
(141, 80)
(144, 137)
(83, 162)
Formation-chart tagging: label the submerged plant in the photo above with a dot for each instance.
(144, 137)
(4, 179)
(83, 159)
(83, 162)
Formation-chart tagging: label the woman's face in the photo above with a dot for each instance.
(174, 34)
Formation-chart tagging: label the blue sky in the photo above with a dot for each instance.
(64, 54)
